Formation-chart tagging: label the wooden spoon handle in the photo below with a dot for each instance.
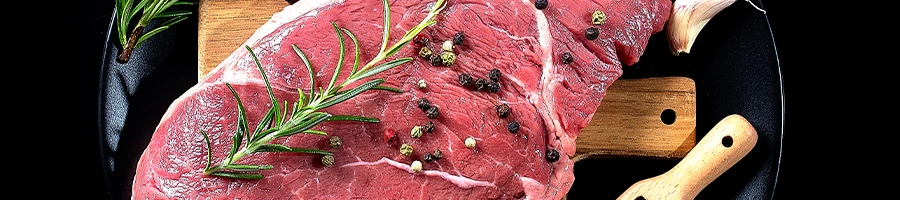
(726, 144)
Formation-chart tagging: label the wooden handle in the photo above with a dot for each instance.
(727, 143)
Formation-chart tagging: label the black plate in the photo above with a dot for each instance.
(734, 64)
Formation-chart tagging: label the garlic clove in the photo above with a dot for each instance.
(688, 18)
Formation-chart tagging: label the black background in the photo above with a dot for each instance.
(790, 27)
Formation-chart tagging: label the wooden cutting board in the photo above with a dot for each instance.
(628, 122)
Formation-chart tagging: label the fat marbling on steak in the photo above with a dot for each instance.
(552, 101)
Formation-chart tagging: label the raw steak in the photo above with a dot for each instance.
(552, 101)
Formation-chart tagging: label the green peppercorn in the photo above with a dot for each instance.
(481, 84)
(591, 33)
(334, 142)
(423, 104)
(448, 58)
(493, 87)
(436, 60)
(429, 127)
(406, 149)
(425, 52)
(465, 79)
(512, 127)
(502, 110)
(567, 58)
(494, 75)
(416, 132)
(428, 157)
(432, 113)
(328, 160)
(458, 38)
(437, 154)
(598, 18)
(552, 155)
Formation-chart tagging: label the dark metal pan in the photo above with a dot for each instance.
(734, 64)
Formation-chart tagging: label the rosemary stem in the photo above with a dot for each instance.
(129, 47)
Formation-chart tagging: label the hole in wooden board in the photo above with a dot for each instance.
(667, 116)
(640, 198)
(727, 141)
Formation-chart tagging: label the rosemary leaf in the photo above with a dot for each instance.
(353, 118)
(247, 168)
(242, 124)
(238, 175)
(312, 75)
(265, 122)
(282, 148)
(392, 89)
(340, 62)
(208, 149)
(268, 86)
(349, 93)
(387, 26)
(378, 69)
(174, 14)
(315, 132)
(356, 47)
(314, 119)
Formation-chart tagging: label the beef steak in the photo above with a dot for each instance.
(551, 101)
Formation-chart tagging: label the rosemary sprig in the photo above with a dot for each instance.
(305, 112)
(126, 10)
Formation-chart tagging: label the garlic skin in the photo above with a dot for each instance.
(687, 19)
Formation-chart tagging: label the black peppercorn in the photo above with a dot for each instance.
(494, 75)
(591, 33)
(428, 157)
(502, 110)
(436, 59)
(567, 58)
(540, 4)
(493, 87)
(458, 38)
(465, 79)
(512, 127)
(429, 127)
(424, 104)
(432, 112)
(552, 155)
(437, 155)
(481, 84)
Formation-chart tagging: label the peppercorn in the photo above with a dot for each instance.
(406, 149)
(334, 142)
(447, 46)
(567, 58)
(437, 154)
(416, 132)
(540, 4)
(436, 60)
(328, 160)
(432, 113)
(420, 40)
(598, 18)
(425, 52)
(470, 142)
(428, 157)
(465, 79)
(448, 58)
(422, 84)
(424, 104)
(502, 110)
(552, 155)
(493, 87)
(389, 135)
(591, 33)
(416, 166)
(512, 127)
(494, 75)
(429, 127)
(458, 38)
(481, 84)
